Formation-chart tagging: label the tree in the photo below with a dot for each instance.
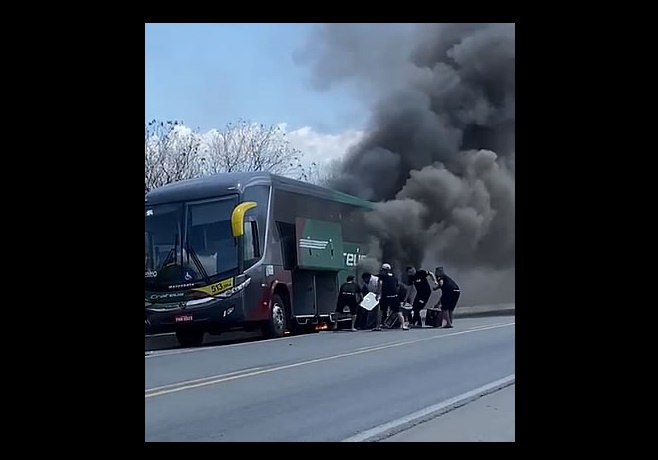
(246, 146)
(322, 173)
(171, 153)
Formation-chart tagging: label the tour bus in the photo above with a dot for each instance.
(247, 251)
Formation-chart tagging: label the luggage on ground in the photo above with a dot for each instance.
(392, 320)
(366, 319)
(433, 317)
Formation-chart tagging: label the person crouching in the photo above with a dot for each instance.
(349, 297)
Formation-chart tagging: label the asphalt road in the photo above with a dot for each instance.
(169, 342)
(320, 387)
(488, 419)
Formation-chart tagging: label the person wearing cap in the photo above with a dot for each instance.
(449, 296)
(388, 296)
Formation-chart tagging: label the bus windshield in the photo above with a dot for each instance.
(189, 243)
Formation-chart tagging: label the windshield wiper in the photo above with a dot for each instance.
(195, 258)
(173, 252)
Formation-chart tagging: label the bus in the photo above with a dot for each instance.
(248, 251)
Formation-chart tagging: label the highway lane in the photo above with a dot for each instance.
(488, 419)
(319, 387)
(169, 342)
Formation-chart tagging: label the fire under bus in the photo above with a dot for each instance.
(247, 251)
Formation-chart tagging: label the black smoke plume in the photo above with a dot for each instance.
(440, 155)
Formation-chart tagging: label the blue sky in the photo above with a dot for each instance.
(210, 74)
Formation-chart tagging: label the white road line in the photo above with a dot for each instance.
(371, 347)
(475, 328)
(224, 378)
(159, 353)
(204, 379)
(396, 426)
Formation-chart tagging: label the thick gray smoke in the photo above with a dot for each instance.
(440, 156)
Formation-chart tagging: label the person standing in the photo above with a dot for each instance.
(388, 296)
(449, 296)
(418, 279)
(367, 319)
(370, 283)
(350, 297)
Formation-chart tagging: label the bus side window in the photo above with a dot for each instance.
(251, 243)
(260, 194)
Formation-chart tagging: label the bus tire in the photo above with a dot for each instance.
(278, 323)
(188, 339)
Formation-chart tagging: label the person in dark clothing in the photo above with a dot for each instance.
(350, 297)
(418, 279)
(449, 296)
(388, 296)
(402, 297)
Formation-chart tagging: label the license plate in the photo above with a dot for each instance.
(183, 318)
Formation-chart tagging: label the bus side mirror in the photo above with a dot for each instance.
(237, 217)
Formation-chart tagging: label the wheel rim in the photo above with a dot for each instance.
(278, 318)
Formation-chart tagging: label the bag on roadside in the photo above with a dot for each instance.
(433, 317)
(366, 319)
(392, 320)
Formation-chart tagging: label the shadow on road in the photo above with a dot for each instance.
(169, 342)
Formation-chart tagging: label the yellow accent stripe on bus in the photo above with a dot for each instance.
(216, 288)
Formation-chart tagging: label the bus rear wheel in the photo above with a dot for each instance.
(190, 338)
(278, 323)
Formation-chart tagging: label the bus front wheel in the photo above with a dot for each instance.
(278, 322)
(190, 338)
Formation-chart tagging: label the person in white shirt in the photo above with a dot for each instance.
(370, 283)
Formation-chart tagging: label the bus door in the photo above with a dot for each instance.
(319, 259)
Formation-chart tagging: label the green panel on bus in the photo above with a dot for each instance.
(319, 245)
(352, 254)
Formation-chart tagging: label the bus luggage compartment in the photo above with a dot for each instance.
(315, 294)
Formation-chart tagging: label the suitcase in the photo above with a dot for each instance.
(433, 317)
(366, 319)
(392, 321)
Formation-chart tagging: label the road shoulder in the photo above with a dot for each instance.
(490, 418)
